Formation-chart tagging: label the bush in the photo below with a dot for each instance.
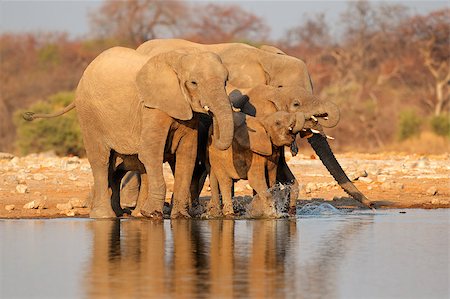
(61, 134)
(441, 125)
(409, 124)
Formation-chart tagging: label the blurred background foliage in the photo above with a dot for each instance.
(388, 69)
(61, 134)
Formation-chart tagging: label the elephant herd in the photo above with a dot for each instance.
(224, 109)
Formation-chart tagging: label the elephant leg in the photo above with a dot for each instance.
(142, 197)
(184, 168)
(198, 180)
(115, 178)
(154, 132)
(213, 208)
(285, 176)
(225, 184)
(101, 203)
(262, 204)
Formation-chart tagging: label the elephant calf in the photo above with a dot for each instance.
(253, 155)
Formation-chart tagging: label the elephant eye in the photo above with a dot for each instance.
(194, 82)
(277, 123)
(296, 104)
(279, 86)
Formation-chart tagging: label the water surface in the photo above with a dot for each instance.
(381, 255)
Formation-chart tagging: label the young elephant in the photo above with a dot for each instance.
(253, 155)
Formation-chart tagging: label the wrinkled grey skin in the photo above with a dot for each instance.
(249, 67)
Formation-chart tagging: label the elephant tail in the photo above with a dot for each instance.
(29, 116)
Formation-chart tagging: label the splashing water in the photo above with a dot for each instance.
(317, 209)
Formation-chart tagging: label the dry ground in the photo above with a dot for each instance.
(392, 180)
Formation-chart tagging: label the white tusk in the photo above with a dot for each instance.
(290, 129)
(236, 109)
(206, 108)
(329, 137)
(315, 131)
(326, 118)
(313, 118)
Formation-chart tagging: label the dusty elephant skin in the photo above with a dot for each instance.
(254, 155)
(131, 104)
(249, 67)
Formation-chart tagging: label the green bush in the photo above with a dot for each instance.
(61, 134)
(441, 125)
(409, 124)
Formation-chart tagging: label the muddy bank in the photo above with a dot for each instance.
(43, 185)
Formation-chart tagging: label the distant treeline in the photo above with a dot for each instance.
(388, 69)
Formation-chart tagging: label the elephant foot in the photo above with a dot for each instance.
(292, 211)
(102, 213)
(155, 215)
(137, 213)
(229, 216)
(180, 214)
(227, 210)
(258, 209)
(212, 212)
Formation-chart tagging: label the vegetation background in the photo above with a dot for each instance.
(389, 69)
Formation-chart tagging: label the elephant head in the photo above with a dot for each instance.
(198, 79)
(264, 132)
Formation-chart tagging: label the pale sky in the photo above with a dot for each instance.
(71, 16)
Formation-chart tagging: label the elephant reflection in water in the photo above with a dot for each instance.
(188, 259)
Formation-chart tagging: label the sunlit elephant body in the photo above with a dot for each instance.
(130, 105)
(250, 67)
(253, 156)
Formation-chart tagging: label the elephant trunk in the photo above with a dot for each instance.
(326, 113)
(222, 123)
(323, 150)
(299, 122)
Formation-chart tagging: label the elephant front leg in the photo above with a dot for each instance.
(263, 204)
(101, 203)
(142, 197)
(285, 176)
(184, 168)
(154, 132)
(213, 208)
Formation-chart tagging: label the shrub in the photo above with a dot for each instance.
(441, 125)
(409, 124)
(61, 134)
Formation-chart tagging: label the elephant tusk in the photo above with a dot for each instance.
(290, 129)
(313, 118)
(329, 137)
(326, 118)
(206, 108)
(235, 109)
(315, 131)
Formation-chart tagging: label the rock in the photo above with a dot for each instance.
(392, 185)
(64, 206)
(36, 204)
(30, 205)
(359, 174)
(310, 187)
(71, 213)
(73, 177)
(365, 180)
(381, 178)
(22, 188)
(39, 177)
(14, 161)
(10, 207)
(73, 160)
(77, 203)
(435, 201)
(6, 156)
(432, 191)
(369, 187)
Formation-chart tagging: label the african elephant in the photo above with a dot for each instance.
(253, 155)
(131, 104)
(249, 67)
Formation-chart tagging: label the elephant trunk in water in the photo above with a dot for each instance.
(222, 123)
(323, 150)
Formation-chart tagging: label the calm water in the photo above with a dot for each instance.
(382, 255)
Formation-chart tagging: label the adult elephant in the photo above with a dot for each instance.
(130, 104)
(249, 67)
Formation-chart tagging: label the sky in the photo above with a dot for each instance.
(72, 16)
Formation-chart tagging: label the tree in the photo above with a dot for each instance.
(136, 21)
(215, 23)
(430, 34)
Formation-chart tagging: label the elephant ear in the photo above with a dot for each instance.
(259, 139)
(159, 87)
